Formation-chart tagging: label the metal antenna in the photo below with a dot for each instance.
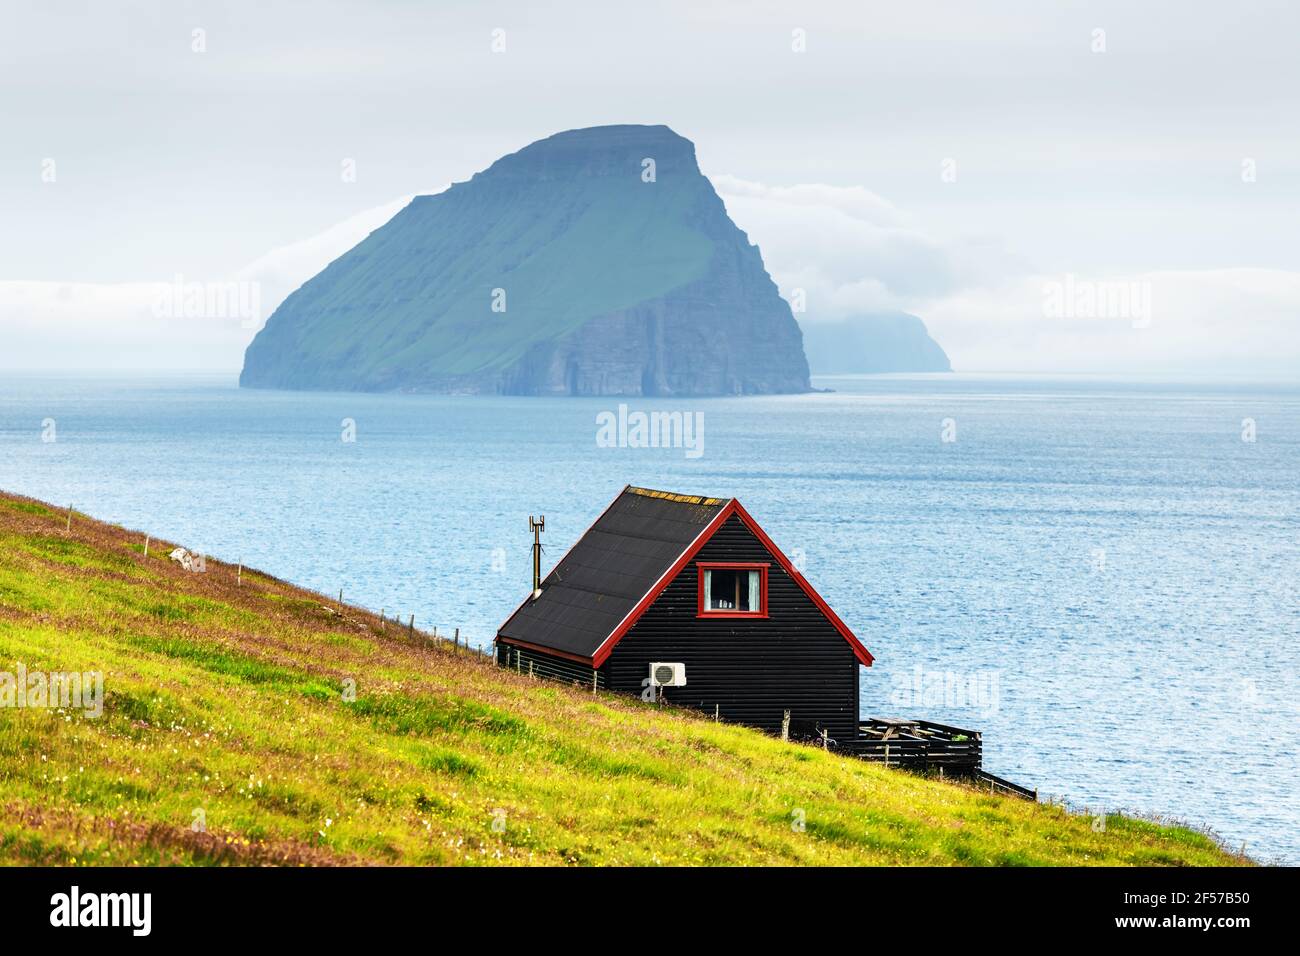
(537, 527)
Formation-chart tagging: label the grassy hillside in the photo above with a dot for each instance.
(228, 700)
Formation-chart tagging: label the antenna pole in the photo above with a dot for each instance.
(537, 527)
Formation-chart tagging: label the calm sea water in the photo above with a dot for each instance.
(1107, 568)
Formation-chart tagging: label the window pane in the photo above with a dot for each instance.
(722, 590)
(731, 590)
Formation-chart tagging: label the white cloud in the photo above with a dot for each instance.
(853, 252)
(1243, 322)
(853, 201)
(85, 326)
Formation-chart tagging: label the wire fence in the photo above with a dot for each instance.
(542, 668)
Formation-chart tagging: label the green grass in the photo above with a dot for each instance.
(299, 735)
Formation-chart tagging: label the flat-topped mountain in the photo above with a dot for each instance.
(594, 262)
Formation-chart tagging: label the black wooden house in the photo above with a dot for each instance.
(673, 579)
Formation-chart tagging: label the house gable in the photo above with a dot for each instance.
(754, 668)
(738, 524)
(639, 546)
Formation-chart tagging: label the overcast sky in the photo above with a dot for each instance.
(951, 159)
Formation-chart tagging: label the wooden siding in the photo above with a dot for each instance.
(752, 669)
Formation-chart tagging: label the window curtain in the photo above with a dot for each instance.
(708, 590)
(753, 590)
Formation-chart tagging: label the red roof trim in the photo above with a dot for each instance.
(859, 651)
(603, 652)
(732, 507)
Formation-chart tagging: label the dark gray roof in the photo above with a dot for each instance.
(610, 569)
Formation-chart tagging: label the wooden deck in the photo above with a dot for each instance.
(920, 745)
(926, 747)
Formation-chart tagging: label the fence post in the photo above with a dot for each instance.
(715, 713)
(595, 675)
(824, 739)
(410, 628)
(530, 668)
(146, 546)
(69, 518)
(456, 640)
(785, 726)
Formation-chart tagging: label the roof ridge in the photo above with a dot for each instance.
(675, 496)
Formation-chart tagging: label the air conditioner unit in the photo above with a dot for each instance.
(667, 675)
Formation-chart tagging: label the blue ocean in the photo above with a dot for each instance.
(1100, 576)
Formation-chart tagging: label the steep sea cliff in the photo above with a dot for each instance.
(594, 262)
